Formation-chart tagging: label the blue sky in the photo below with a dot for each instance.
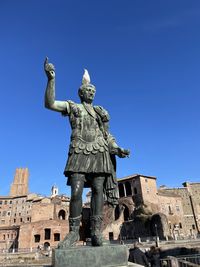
(143, 57)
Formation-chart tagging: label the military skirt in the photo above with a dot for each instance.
(88, 158)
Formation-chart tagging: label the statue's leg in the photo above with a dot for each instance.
(96, 210)
(77, 183)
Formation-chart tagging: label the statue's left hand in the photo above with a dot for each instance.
(123, 153)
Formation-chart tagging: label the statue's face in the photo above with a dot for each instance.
(88, 94)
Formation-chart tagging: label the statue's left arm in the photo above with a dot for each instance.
(114, 148)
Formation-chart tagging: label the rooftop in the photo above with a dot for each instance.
(129, 177)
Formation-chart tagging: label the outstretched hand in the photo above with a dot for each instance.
(123, 153)
(49, 69)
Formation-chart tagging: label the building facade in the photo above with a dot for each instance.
(190, 195)
(31, 220)
(145, 210)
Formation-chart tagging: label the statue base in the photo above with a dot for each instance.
(87, 256)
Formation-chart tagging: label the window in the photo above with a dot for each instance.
(117, 212)
(47, 233)
(2, 221)
(4, 237)
(37, 238)
(10, 201)
(126, 213)
(177, 208)
(14, 220)
(4, 213)
(193, 226)
(61, 215)
(135, 190)
(111, 236)
(180, 225)
(5, 202)
(1, 202)
(146, 180)
(128, 189)
(170, 210)
(57, 237)
(121, 190)
(21, 220)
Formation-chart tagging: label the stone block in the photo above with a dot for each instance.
(87, 256)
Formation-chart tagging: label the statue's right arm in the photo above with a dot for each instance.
(50, 102)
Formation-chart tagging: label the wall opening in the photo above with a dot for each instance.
(117, 212)
(37, 238)
(128, 189)
(111, 236)
(62, 215)
(47, 233)
(46, 245)
(121, 190)
(126, 213)
(56, 237)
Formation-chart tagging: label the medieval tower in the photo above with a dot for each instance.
(19, 186)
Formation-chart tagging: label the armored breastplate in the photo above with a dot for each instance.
(87, 136)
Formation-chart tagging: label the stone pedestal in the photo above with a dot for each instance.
(87, 256)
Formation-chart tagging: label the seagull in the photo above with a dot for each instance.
(86, 77)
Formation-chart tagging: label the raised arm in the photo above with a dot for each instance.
(50, 102)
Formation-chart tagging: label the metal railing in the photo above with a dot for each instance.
(181, 261)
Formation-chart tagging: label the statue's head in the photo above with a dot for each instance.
(87, 90)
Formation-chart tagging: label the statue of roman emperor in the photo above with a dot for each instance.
(91, 157)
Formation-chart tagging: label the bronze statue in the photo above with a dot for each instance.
(91, 158)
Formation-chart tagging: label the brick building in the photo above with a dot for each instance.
(144, 210)
(190, 195)
(28, 220)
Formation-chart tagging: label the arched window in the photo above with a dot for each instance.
(128, 189)
(126, 213)
(121, 190)
(117, 212)
(61, 215)
(46, 246)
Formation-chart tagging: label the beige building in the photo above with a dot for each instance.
(28, 220)
(190, 196)
(31, 220)
(144, 210)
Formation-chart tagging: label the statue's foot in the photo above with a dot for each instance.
(69, 241)
(97, 240)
